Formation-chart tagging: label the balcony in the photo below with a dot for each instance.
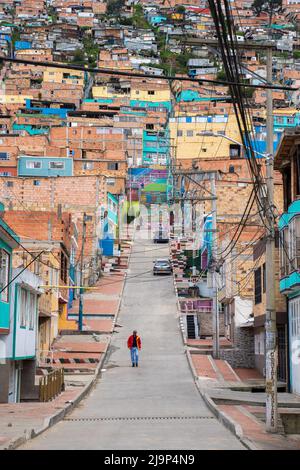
(289, 225)
(195, 306)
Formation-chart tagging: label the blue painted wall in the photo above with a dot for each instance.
(61, 112)
(44, 170)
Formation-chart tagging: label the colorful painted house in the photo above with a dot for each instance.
(18, 372)
(44, 166)
(156, 147)
(49, 108)
(287, 161)
(8, 241)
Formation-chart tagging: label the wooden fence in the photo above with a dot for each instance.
(51, 385)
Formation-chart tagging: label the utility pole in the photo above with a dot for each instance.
(210, 175)
(80, 314)
(212, 268)
(270, 325)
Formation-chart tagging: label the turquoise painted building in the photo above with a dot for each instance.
(8, 241)
(156, 147)
(44, 166)
(31, 129)
(151, 104)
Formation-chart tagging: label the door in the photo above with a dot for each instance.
(294, 331)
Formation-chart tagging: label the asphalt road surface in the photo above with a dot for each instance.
(154, 406)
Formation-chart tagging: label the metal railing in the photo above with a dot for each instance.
(51, 385)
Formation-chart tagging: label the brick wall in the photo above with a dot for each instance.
(74, 195)
(206, 326)
(242, 355)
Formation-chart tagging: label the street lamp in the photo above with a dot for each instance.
(213, 134)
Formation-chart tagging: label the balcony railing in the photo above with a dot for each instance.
(195, 306)
(51, 385)
(290, 264)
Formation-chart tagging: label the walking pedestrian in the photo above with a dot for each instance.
(134, 344)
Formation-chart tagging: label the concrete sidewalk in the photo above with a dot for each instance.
(81, 356)
(228, 394)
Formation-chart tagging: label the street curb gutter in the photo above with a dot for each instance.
(55, 418)
(228, 422)
(220, 415)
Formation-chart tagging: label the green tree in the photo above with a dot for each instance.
(221, 75)
(78, 57)
(180, 9)
(270, 7)
(138, 18)
(114, 7)
(296, 54)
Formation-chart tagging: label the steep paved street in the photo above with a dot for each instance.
(160, 396)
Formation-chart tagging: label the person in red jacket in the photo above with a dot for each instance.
(134, 344)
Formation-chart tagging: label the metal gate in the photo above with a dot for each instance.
(282, 366)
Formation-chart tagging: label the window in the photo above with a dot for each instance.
(189, 133)
(112, 166)
(88, 165)
(257, 285)
(179, 133)
(37, 268)
(4, 156)
(9, 184)
(36, 183)
(234, 151)
(150, 126)
(287, 186)
(56, 165)
(264, 277)
(23, 308)
(151, 92)
(32, 309)
(4, 274)
(63, 268)
(33, 165)
(110, 181)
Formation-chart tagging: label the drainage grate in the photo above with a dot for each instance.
(140, 418)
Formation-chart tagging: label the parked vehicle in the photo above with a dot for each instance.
(162, 266)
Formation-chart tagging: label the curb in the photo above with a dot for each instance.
(228, 422)
(222, 417)
(55, 418)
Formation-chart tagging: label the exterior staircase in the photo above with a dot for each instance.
(191, 330)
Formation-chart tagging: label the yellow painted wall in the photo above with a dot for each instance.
(103, 92)
(54, 75)
(146, 95)
(194, 146)
(14, 99)
(63, 322)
